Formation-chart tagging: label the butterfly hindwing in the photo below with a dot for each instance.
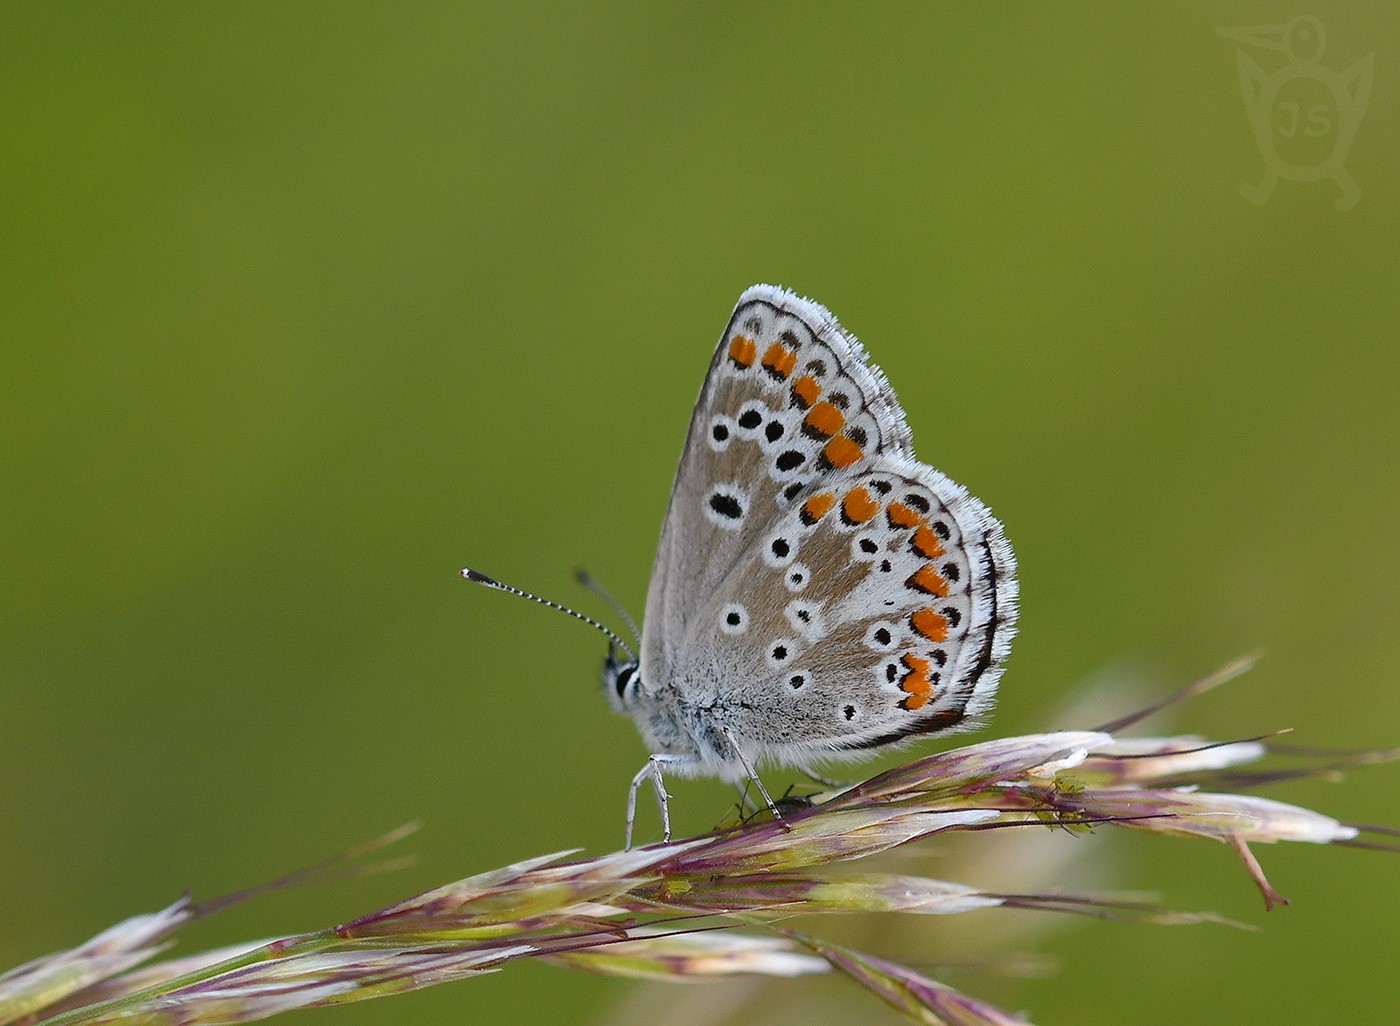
(879, 606)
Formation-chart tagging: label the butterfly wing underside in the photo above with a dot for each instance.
(788, 398)
(821, 587)
(880, 608)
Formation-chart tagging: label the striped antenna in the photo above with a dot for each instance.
(477, 577)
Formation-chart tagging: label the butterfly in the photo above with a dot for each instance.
(817, 592)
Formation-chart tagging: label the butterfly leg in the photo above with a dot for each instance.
(753, 775)
(810, 774)
(746, 805)
(652, 770)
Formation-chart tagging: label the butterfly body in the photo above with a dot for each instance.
(817, 591)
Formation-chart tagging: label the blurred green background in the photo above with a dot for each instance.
(305, 307)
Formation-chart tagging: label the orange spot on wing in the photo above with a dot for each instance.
(817, 507)
(823, 420)
(841, 452)
(857, 506)
(805, 390)
(915, 682)
(928, 580)
(902, 516)
(929, 623)
(779, 361)
(742, 351)
(926, 543)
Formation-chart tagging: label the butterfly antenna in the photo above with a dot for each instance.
(476, 577)
(596, 586)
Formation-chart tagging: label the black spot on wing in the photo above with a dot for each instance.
(726, 506)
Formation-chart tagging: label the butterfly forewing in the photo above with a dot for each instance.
(789, 400)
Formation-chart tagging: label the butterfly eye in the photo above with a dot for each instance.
(626, 673)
